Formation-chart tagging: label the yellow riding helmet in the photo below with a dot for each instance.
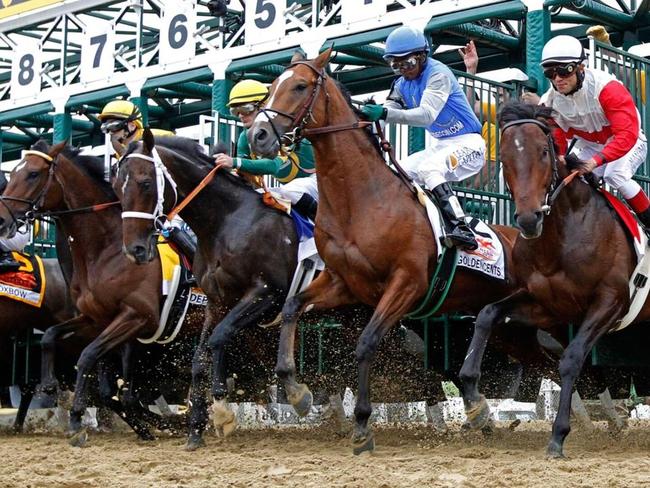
(247, 91)
(123, 110)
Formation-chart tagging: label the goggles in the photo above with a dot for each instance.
(561, 70)
(399, 65)
(245, 109)
(114, 125)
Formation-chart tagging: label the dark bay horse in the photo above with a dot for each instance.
(18, 318)
(246, 252)
(573, 264)
(371, 232)
(119, 301)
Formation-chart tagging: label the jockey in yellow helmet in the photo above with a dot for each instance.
(122, 119)
(296, 171)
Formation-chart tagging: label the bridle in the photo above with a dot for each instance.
(297, 130)
(36, 203)
(556, 185)
(162, 177)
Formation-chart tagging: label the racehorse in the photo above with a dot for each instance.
(246, 251)
(19, 318)
(118, 300)
(573, 261)
(374, 237)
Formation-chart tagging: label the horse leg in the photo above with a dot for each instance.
(476, 408)
(247, 312)
(26, 395)
(107, 391)
(49, 383)
(399, 296)
(126, 326)
(201, 381)
(326, 291)
(605, 312)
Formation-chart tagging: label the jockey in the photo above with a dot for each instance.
(597, 110)
(16, 243)
(122, 119)
(428, 95)
(296, 171)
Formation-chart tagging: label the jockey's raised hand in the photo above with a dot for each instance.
(223, 160)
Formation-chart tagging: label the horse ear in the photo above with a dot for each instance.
(323, 58)
(147, 138)
(298, 55)
(56, 149)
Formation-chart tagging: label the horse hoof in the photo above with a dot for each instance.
(194, 443)
(49, 388)
(366, 443)
(302, 400)
(147, 436)
(554, 451)
(478, 415)
(79, 439)
(223, 418)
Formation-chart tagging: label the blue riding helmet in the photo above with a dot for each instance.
(405, 40)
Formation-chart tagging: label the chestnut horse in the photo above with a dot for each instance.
(247, 251)
(119, 301)
(574, 264)
(373, 235)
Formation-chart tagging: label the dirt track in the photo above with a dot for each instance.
(318, 458)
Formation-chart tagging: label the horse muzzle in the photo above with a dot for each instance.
(140, 253)
(263, 140)
(530, 224)
(8, 228)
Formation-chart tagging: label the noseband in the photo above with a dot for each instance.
(554, 187)
(162, 175)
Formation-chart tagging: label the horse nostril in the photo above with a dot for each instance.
(539, 215)
(261, 135)
(139, 252)
(2, 221)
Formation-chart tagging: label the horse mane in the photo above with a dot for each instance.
(92, 166)
(515, 110)
(194, 152)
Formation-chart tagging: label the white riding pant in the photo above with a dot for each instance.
(297, 187)
(615, 173)
(449, 159)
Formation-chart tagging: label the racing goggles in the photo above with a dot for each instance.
(400, 65)
(245, 109)
(561, 70)
(114, 125)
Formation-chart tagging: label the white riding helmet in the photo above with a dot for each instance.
(561, 50)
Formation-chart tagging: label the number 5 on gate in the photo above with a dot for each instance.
(264, 20)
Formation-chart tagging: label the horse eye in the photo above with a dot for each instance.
(145, 185)
(301, 87)
(32, 175)
(545, 151)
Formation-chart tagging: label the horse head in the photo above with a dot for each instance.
(140, 186)
(294, 104)
(31, 186)
(530, 166)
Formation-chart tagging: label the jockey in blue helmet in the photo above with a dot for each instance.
(428, 95)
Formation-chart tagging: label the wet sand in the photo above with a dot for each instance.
(318, 457)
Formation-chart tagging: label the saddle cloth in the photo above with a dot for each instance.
(639, 286)
(27, 284)
(488, 259)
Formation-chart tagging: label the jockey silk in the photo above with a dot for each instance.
(453, 115)
(601, 112)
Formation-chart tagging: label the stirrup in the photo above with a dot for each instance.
(460, 241)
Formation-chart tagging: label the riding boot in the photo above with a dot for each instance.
(307, 206)
(7, 262)
(183, 242)
(457, 230)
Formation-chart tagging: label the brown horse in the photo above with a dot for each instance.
(371, 232)
(119, 300)
(19, 318)
(574, 264)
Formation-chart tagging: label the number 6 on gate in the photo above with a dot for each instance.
(177, 41)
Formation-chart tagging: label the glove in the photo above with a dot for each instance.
(573, 162)
(374, 112)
